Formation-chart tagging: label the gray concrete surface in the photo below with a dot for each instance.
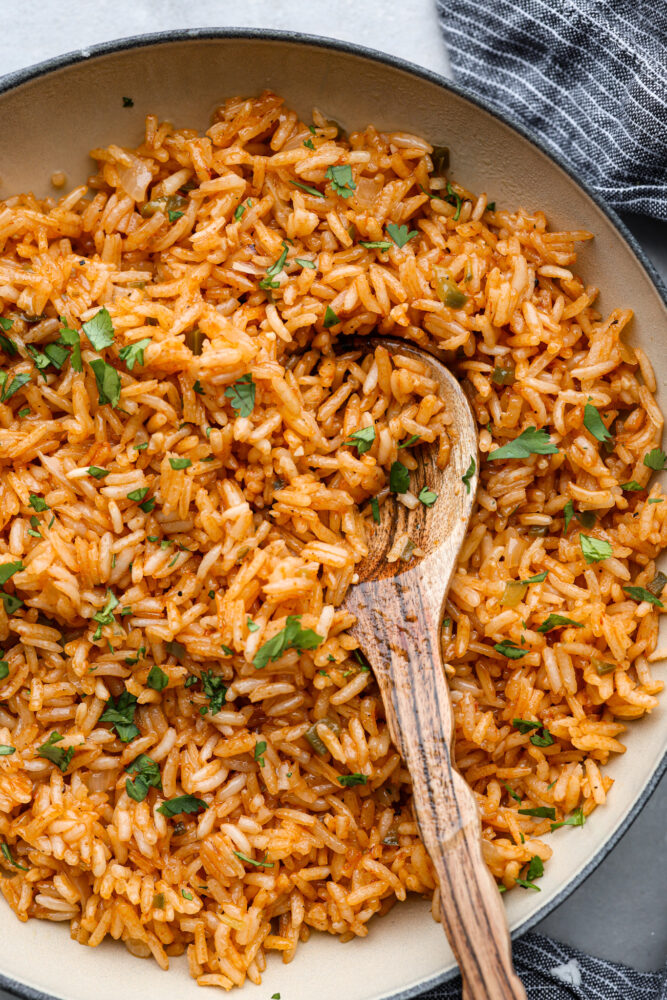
(619, 912)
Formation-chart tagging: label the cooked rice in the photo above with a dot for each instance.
(271, 518)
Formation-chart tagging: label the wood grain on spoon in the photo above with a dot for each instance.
(399, 615)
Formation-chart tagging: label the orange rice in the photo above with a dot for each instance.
(224, 504)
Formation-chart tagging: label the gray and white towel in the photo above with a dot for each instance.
(588, 77)
(553, 971)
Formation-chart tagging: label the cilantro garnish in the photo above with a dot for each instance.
(242, 395)
(529, 442)
(99, 329)
(292, 636)
(400, 234)
(362, 439)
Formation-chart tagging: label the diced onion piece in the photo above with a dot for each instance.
(514, 593)
(135, 179)
(657, 584)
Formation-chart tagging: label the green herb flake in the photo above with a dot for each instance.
(633, 486)
(307, 189)
(157, 679)
(242, 395)
(24, 412)
(57, 755)
(469, 473)
(96, 472)
(593, 423)
(108, 382)
(362, 439)
(4, 669)
(259, 750)
(17, 383)
(510, 650)
(7, 570)
(133, 354)
(119, 712)
(182, 804)
(215, 691)
(268, 281)
(341, 180)
(302, 262)
(174, 216)
(529, 442)
(642, 594)
(410, 441)
(400, 234)
(292, 636)
(510, 791)
(539, 812)
(594, 549)
(453, 199)
(538, 578)
(399, 478)
(99, 330)
(128, 102)
(6, 851)
(250, 861)
(238, 213)
(186, 895)
(383, 245)
(375, 509)
(655, 459)
(71, 338)
(330, 318)
(137, 495)
(180, 463)
(556, 621)
(147, 775)
(6, 751)
(576, 818)
(6, 323)
(176, 649)
(427, 496)
(349, 780)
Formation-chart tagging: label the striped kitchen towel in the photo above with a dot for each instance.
(553, 971)
(587, 77)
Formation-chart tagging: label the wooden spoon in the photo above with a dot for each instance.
(399, 614)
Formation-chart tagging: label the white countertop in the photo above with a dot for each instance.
(619, 912)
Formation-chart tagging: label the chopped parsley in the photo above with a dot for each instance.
(57, 755)
(292, 636)
(593, 423)
(399, 478)
(6, 751)
(120, 713)
(275, 269)
(375, 509)
(7, 570)
(128, 102)
(37, 503)
(214, 690)
(453, 199)
(538, 578)
(182, 804)
(515, 795)
(303, 262)
(252, 626)
(655, 459)
(330, 318)
(307, 189)
(641, 594)
(157, 679)
(99, 330)
(362, 439)
(594, 549)
(96, 472)
(8, 856)
(238, 212)
(400, 234)
(349, 780)
(540, 812)
(180, 463)
(137, 495)
(259, 750)
(173, 217)
(147, 775)
(576, 818)
(468, 474)
(556, 621)
(308, 143)
(71, 338)
(108, 382)
(242, 395)
(529, 442)
(341, 180)
(632, 486)
(133, 354)
(427, 496)
(17, 383)
(510, 650)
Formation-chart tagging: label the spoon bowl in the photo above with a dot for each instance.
(399, 620)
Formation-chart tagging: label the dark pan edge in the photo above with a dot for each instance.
(15, 79)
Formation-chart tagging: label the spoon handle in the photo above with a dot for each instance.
(401, 638)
